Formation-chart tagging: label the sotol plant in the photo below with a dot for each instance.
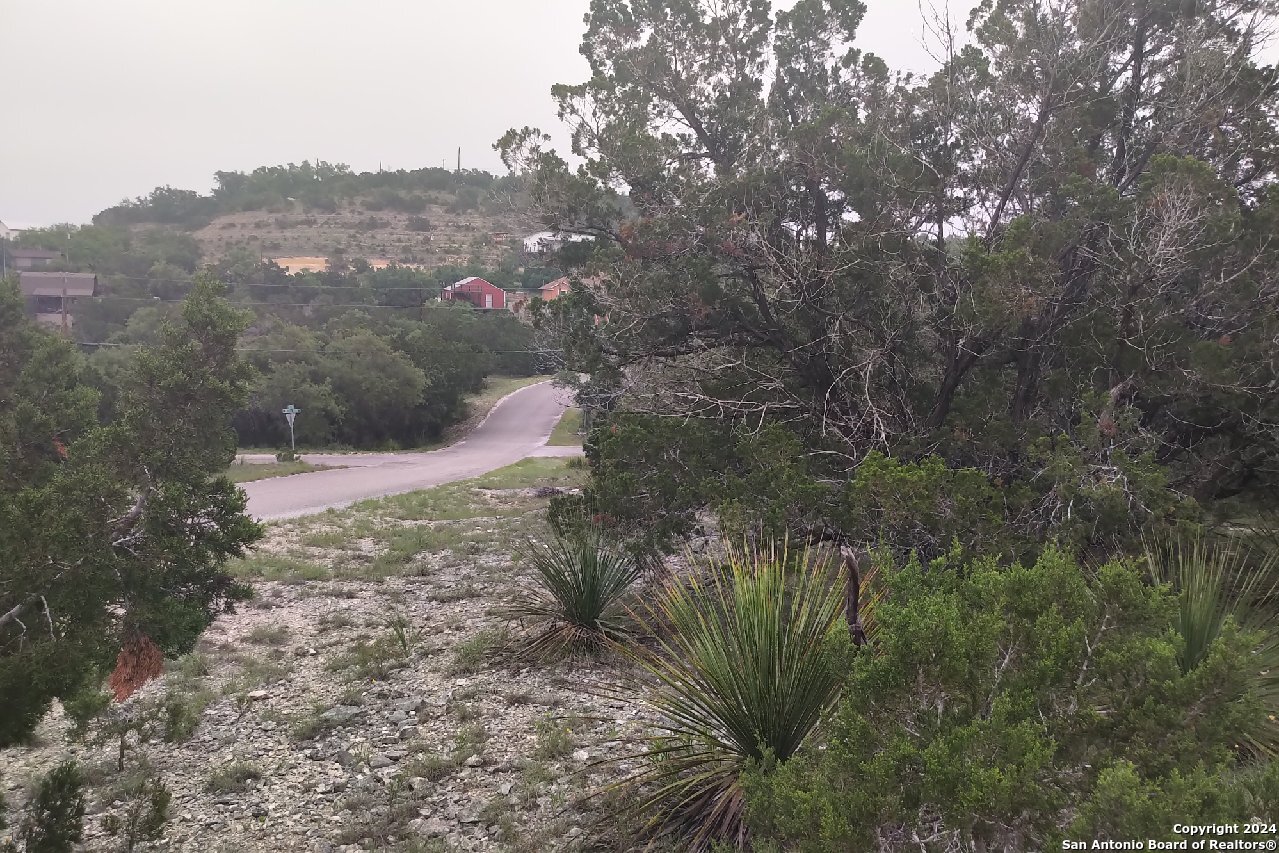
(1216, 584)
(748, 661)
(578, 602)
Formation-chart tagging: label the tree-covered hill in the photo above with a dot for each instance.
(363, 338)
(420, 216)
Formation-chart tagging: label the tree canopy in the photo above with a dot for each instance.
(1040, 282)
(113, 532)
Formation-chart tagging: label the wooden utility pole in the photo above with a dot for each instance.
(66, 330)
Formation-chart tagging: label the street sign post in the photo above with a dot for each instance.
(290, 412)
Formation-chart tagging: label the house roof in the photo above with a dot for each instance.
(559, 235)
(557, 286)
(34, 254)
(471, 280)
(54, 283)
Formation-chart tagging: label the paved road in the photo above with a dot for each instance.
(518, 426)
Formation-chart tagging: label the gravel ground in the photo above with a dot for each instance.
(361, 701)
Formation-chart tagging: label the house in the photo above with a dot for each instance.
(50, 295)
(7, 233)
(550, 241)
(519, 302)
(553, 289)
(33, 259)
(475, 290)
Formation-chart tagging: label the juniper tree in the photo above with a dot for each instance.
(113, 534)
(1049, 266)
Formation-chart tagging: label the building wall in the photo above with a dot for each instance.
(476, 295)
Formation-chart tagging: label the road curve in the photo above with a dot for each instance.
(518, 426)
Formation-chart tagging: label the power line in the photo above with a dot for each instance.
(311, 351)
(151, 300)
(189, 282)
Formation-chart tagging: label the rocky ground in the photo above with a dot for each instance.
(363, 699)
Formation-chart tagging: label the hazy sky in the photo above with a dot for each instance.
(106, 99)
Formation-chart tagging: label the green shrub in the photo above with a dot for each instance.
(1013, 707)
(54, 820)
(143, 816)
(470, 740)
(554, 739)
(373, 660)
(268, 635)
(234, 777)
(578, 603)
(181, 714)
(470, 654)
(747, 661)
(83, 709)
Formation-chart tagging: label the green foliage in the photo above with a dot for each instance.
(578, 604)
(54, 820)
(143, 816)
(470, 655)
(234, 777)
(554, 739)
(83, 709)
(362, 381)
(113, 528)
(1055, 331)
(924, 506)
(1219, 589)
(1011, 707)
(372, 660)
(318, 186)
(181, 714)
(747, 661)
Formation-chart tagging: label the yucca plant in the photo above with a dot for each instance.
(1217, 582)
(747, 661)
(578, 603)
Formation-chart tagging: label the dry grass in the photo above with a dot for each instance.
(457, 529)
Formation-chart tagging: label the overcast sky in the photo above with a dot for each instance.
(107, 99)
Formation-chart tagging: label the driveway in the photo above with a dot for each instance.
(517, 427)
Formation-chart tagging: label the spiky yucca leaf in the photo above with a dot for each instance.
(1215, 583)
(578, 602)
(750, 662)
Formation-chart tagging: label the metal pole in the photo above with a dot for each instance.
(293, 445)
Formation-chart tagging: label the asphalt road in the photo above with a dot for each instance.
(517, 427)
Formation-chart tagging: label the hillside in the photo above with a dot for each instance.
(299, 238)
(299, 215)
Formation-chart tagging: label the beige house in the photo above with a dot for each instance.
(51, 295)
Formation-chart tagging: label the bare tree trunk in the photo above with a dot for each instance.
(852, 599)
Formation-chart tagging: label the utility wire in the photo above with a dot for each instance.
(311, 351)
(154, 299)
(233, 284)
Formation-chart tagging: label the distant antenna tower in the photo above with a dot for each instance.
(459, 159)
